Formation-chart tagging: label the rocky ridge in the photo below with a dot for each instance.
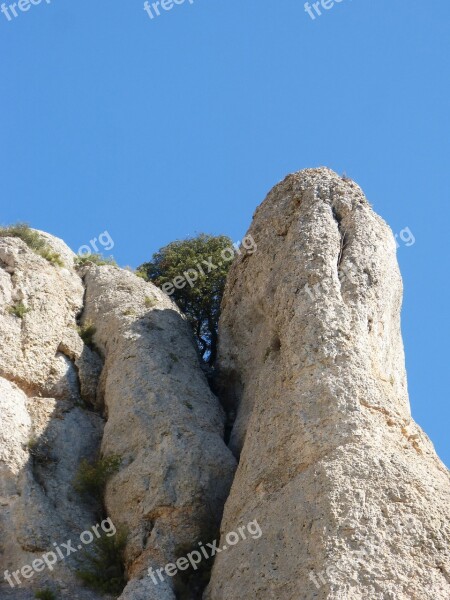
(349, 495)
(138, 394)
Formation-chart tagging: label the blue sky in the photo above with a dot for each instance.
(159, 129)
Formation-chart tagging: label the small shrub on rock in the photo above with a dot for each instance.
(95, 259)
(150, 302)
(33, 240)
(87, 332)
(91, 478)
(103, 569)
(19, 310)
(45, 595)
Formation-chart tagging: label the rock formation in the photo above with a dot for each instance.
(163, 421)
(350, 499)
(44, 432)
(140, 395)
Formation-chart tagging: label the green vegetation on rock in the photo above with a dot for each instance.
(94, 259)
(92, 477)
(103, 570)
(193, 272)
(33, 240)
(19, 310)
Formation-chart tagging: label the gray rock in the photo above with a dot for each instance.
(349, 494)
(162, 419)
(163, 422)
(348, 491)
(53, 297)
(42, 443)
(43, 433)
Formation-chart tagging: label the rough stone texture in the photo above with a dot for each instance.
(351, 498)
(163, 422)
(339, 477)
(53, 296)
(60, 247)
(43, 432)
(42, 441)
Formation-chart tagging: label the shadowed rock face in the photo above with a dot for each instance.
(140, 395)
(46, 373)
(163, 421)
(348, 491)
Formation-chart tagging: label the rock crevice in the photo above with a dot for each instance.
(142, 398)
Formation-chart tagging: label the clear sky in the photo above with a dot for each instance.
(156, 129)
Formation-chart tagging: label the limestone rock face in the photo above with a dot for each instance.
(44, 433)
(352, 501)
(163, 422)
(141, 378)
(30, 355)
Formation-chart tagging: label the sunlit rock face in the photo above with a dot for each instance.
(47, 376)
(348, 491)
(163, 421)
(135, 391)
(346, 496)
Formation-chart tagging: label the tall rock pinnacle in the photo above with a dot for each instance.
(351, 498)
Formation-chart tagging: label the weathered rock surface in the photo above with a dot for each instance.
(164, 423)
(44, 434)
(351, 498)
(30, 346)
(143, 379)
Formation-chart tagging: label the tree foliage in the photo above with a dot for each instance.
(193, 272)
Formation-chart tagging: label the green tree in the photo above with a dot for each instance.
(193, 272)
